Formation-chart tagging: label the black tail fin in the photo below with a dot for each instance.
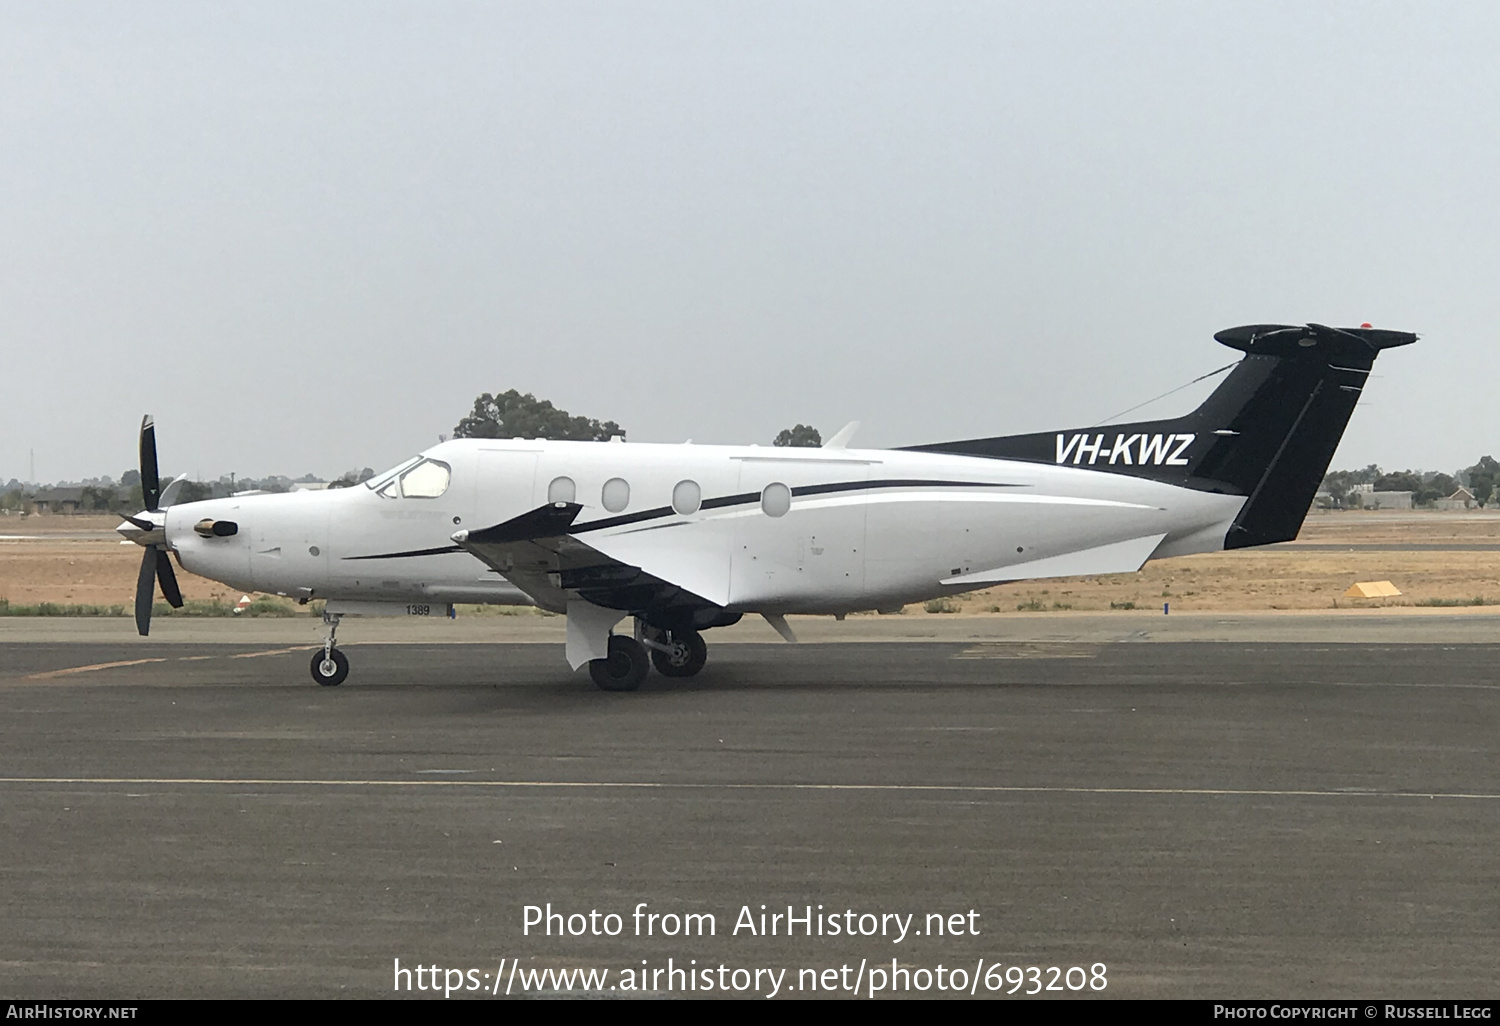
(1267, 432)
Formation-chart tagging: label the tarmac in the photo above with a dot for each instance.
(1211, 806)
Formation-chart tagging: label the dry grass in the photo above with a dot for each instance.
(1291, 577)
(80, 571)
(102, 572)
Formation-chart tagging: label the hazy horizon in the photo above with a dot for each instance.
(305, 237)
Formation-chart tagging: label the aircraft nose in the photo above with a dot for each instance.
(144, 529)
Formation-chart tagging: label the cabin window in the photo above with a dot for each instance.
(616, 494)
(427, 480)
(562, 489)
(776, 499)
(687, 497)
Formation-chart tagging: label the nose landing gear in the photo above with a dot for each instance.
(330, 666)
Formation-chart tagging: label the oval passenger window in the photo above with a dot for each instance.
(776, 499)
(687, 497)
(562, 489)
(616, 494)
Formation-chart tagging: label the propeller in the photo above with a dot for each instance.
(150, 532)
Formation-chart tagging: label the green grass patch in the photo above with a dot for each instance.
(1477, 600)
(1030, 606)
(478, 609)
(1122, 605)
(941, 605)
(7, 608)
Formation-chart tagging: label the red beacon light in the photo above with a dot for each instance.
(1367, 324)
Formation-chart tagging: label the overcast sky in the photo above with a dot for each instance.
(305, 236)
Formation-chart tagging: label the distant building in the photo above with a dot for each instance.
(58, 500)
(1461, 499)
(309, 486)
(1383, 500)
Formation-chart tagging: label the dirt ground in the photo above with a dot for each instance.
(77, 560)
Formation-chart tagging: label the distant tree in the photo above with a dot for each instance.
(1435, 486)
(129, 478)
(13, 499)
(1338, 484)
(802, 436)
(513, 415)
(352, 478)
(195, 491)
(97, 498)
(1398, 481)
(1482, 477)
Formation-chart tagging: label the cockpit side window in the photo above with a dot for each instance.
(427, 480)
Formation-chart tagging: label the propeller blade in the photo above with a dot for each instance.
(145, 592)
(172, 490)
(168, 578)
(150, 479)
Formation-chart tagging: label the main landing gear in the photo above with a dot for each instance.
(330, 666)
(679, 653)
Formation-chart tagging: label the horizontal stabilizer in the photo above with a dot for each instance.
(1289, 339)
(1116, 558)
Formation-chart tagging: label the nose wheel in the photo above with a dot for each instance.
(329, 669)
(330, 666)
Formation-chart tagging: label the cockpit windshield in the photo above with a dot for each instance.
(417, 478)
(377, 482)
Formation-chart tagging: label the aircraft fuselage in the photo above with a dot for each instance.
(863, 529)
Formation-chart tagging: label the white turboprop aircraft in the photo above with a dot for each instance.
(682, 538)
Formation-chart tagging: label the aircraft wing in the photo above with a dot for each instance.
(537, 552)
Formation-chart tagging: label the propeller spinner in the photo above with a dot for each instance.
(148, 529)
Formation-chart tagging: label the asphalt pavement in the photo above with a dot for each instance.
(1203, 818)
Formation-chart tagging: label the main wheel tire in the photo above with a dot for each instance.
(689, 653)
(624, 668)
(330, 670)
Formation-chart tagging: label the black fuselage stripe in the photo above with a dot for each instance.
(407, 555)
(722, 502)
(746, 498)
(854, 486)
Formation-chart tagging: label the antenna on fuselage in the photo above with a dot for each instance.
(841, 439)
